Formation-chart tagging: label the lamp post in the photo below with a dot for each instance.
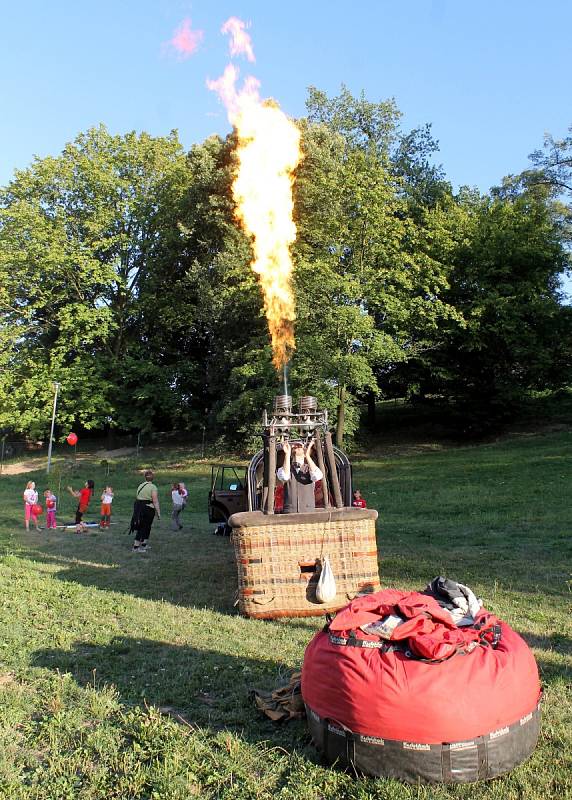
(56, 387)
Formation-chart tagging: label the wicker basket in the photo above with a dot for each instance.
(279, 560)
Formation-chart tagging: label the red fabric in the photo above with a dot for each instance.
(279, 497)
(84, 498)
(359, 503)
(429, 628)
(391, 696)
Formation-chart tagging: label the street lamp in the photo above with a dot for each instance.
(56, 388)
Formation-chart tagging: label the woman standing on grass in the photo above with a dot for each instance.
(84, 496)
(30, 500)
(146, 505)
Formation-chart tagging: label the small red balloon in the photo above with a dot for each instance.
(71, 438)
(37, 510)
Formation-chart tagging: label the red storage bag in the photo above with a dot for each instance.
(433, 702)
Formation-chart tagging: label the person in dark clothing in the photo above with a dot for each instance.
(299, 474)
(146, 504)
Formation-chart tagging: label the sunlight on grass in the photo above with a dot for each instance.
(128, 677)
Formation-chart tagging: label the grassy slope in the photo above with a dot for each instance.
(95, 639)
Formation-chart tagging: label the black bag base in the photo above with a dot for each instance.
(482, 758)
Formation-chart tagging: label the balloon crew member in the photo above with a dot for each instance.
(144, 509)
(299, 474)
(30, 504)
(84, 496)
(358, 501)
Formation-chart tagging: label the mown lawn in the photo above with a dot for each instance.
(127, 676)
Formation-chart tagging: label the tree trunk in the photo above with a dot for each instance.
(110, 438)
(371, 410)
(341, 416)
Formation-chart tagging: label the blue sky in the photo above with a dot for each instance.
(490, 75)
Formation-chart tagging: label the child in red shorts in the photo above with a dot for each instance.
(106, 501)
(84, 496)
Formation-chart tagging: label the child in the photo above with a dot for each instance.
(184, 494)
(51, 504)
(358, 501)
(84, 496)
(106, 501)
(178, 506)
(30, 500)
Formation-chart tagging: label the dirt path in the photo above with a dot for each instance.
(121, 451)
(30, 465)
(39, 462)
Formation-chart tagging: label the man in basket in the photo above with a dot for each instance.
(299, 474)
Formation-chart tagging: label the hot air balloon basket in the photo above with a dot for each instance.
(279, 559)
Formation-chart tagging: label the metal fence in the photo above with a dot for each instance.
(17, 450)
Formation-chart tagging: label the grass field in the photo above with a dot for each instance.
(127, 676)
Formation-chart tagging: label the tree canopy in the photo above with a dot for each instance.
(125, 277)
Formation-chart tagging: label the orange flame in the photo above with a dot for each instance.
(268, 152)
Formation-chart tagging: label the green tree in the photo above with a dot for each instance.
(551, 173)
(206, 302)
(506, 254)
(367, 294)
(552, 166)
(77, 233)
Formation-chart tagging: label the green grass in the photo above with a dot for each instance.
(126, 676)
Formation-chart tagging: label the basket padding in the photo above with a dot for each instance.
(249, 519)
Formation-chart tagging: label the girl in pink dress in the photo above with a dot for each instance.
(30, 500)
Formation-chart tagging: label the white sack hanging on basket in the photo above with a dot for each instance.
(326, 586)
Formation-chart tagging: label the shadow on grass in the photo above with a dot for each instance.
(556, 642)
(207, 688)
(555, 657)
(192, 570)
